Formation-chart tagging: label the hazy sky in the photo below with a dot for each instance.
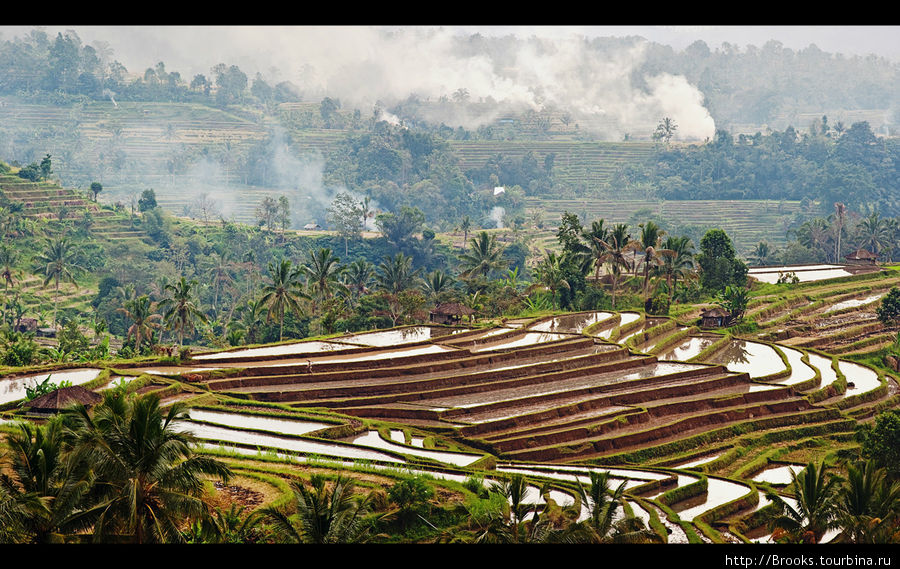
(199, 47)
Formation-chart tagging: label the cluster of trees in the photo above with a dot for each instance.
(863, 506)
(63, 68)
(828, 164)
(831, 238)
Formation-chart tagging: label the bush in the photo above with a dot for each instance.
(889, 311)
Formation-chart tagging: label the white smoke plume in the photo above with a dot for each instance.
(496, 216)
(363, 66)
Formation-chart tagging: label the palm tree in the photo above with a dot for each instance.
(436, 282)
(466, 226)
(868, 505)
(873, 234)
(148, 479)
(140, 311)
(840, 210)
(58, 261)
(651, 236)
(603, 502)
(358, 276)
(221, 275)
(616, 247)
(551, 274)
(815, 512)
(395, 274)
(680, 263)
(250, 321)
(8, 259)
(282, 293)
(179, 310)
(44, 492)
(484, 257)
(322, 272)
(761, 254)
(323, 515)
(593, 237)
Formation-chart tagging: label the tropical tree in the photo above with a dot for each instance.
(651, 236)
(616, 248)
(282, 294)
(734, 299)
(145, 321)
(395, 274)
(180, 312)
(593, 238)
(603, 502)
(484, 257)
(358, 276)
(868, 504)
(8, 260)
(678, 265)
(322, 272)
(148, 481)
(551, 273)
(814, 514)
(42, 494)
(323, 514)
(465, 226)
(873, 234)
(761, 254)
(57, 262)
(436, 283)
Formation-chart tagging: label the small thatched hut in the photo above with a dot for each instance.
(57, 400)
(862, 257)
(450, 313)
(714, 317)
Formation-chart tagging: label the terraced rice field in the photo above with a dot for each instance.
(552, 398)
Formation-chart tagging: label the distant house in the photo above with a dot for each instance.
(57, 400)
(450, 313)
(46, 332)
(862, 257)
(714, 317)
(312, 226)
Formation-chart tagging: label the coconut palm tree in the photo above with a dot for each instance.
(761, 254)
(322, 271)
(179, 310)
(145, 321)
(395, 274)
(602, 503)
(43, 493)
(8, 260)
(840, 212)
(58, 262)
(551, 274)
(680, 263)
(484, 257)
(616, 247)
(148, 481)
(436, 282)
(324, 515)
(220, 275)
(873, 234)
(358, 277)
(282, 294)
(466, 226)
(593, 239)
(868, 504)
(815, 511)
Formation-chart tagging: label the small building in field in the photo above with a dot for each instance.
(46, 332)
(450, 313)
(862, 257)
(57, 400)
(312, 227)
(714, 317)
(27, 325)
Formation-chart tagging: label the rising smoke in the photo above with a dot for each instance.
(602, 88)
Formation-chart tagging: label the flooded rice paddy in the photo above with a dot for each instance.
(257, 422)
(853, 302)
(526, 339)
(800, 371)
(805, 273)
(373, 439)
(572, 323)
(778, 474)
(689, 348)
(860, 379)
(298, 348)
(741, 356)
(13, 389)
